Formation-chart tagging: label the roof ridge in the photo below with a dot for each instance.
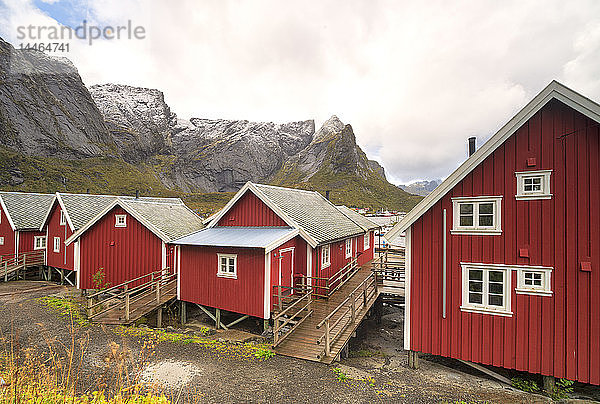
(116, 196)
(176, 201)
(286, 188)
(24, 193)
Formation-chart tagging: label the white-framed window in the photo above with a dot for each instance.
(477, 215)
(348, 247)
(227, 265)
(366, 240)
(534, 281)
(486, 289)
(533, 184)
(39, 242)
(56, 244)
(325, 256)
(63, 218)
(120, 220)
(1, 240)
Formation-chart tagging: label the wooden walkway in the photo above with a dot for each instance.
(10, 265)
(124, 305)
(308, 342)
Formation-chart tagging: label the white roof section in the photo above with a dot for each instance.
(554, 90)
(234, 236)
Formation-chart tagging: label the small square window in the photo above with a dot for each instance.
(120, 220)
(39, 242)
(533, 184)
(477, 215)
(1, 240)
(63, 218)
(227, 267)
(534, 281)
(56, 244)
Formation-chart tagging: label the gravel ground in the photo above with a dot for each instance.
(190, 372)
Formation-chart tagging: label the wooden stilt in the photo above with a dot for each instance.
(378, 310)
(549, 383)
(218, 318)
(62, 276)
(159, 313)
(183, 313)
(413, 360)
(265, 325)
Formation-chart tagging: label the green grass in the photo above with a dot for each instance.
(66, 307)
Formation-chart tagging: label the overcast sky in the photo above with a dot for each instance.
(414, 78)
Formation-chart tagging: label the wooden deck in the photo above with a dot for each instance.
(122, 305)
(307, 341)
(10, 266)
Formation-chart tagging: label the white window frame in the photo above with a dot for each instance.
(367, 241)
(56, 244)
(485, 307)
(227, 273)
(1, 240)
(63, 218)
(543, 193)
(325, 256)
(545, 289)
(117, 221)
(496, 229)
(39, 242)
(348, 247)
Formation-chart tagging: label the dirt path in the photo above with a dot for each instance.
(216, 374)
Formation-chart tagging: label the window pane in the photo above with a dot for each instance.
(496, 276)
(476, 298)
(495, 300)
(486, 220)
(528, 281)
(486, 208)
(475, 275)
(496, 288)
(466, 220)
(466, 208)
(223, 261)
(475, 286)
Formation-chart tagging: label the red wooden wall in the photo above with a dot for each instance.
(250, 211)
(27, 240)
(64, 258)
(124, 253)
(557, 335)
(9, 235)
(200, 284)
(299, 262)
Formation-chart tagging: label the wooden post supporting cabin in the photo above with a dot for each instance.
(6, 271)
(413, 360)
(159, 313)
(549, 384)
(62, 276)
(265, 325)
(378, 310)
(218, 317)
(126, 290)
(183, 313)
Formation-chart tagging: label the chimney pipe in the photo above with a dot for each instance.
(87, 191)
(472, 146)
(327, 194)
(137, 194)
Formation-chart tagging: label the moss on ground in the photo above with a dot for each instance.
(66, 307)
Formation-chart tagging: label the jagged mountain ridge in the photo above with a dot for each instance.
(57, 135)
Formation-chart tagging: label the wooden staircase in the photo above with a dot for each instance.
(125, 303)
(11, 265)
(317, 329)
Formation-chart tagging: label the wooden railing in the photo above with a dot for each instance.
(325, 287)
(390, 270)
(300, 308)
(14, 263)
(123, 296)
(346, 313)
(285, 295)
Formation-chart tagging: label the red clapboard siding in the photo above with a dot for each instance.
(556, 335)
(64, 258)
(299, 246)
(250, 211)
(7, 232)
(27, 240)
(123, 253)
(243, 295)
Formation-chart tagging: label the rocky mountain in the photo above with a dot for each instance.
(422, 188)
(57, 135)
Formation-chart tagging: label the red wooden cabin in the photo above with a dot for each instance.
(21, 215)
(122, 237)
(503, 258)
(267, 236)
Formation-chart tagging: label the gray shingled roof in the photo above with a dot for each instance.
(174, 220)
(311, 211)
(27, 211)
(359, 219)
(82, 208)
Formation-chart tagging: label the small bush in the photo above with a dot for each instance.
(529, 386)
(562, 389)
